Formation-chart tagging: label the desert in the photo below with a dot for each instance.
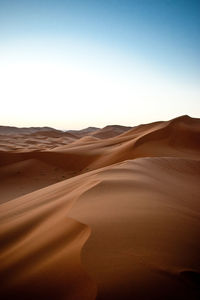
(101, 213)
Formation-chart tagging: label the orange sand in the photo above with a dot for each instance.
(110, 213)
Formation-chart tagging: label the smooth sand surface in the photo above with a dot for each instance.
(108, 217)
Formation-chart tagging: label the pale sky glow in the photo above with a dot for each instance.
(73, 82)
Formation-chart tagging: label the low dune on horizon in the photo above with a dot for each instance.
(101, 213)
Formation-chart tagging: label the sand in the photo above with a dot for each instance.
(101, 216)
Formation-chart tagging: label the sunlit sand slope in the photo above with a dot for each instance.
(122, 223)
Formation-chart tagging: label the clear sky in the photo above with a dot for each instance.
(78, 63)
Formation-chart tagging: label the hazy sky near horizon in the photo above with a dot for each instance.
(73, 64)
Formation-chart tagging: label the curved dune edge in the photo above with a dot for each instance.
(41, 247)
(143, 214)
(126, 255)
(24, 171)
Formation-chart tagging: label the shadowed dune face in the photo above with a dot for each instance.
(144, 217)
(28, 175)
(40, 246)
(110, 131)
(102, 218)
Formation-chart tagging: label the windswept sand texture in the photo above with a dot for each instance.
(110, 213)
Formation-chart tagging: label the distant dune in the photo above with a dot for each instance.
(83, 132)
(111, 213)
(4, 130)
(102, 133)
(110, 131)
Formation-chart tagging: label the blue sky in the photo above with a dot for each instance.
(100, 62)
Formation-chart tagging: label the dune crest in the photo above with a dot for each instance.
(103, 218)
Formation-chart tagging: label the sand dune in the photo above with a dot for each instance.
(122, 223)
(110, 131)
(10, 130)
(145, 228)
(83, 132)
(25, 176)
(33, 138)
(102, 133)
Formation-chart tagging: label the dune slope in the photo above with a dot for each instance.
(144, 221)
(144, 215)
(122, 223)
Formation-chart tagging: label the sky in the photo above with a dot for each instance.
(74, 64)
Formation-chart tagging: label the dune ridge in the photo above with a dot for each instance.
(103, 218)
(44, 258)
